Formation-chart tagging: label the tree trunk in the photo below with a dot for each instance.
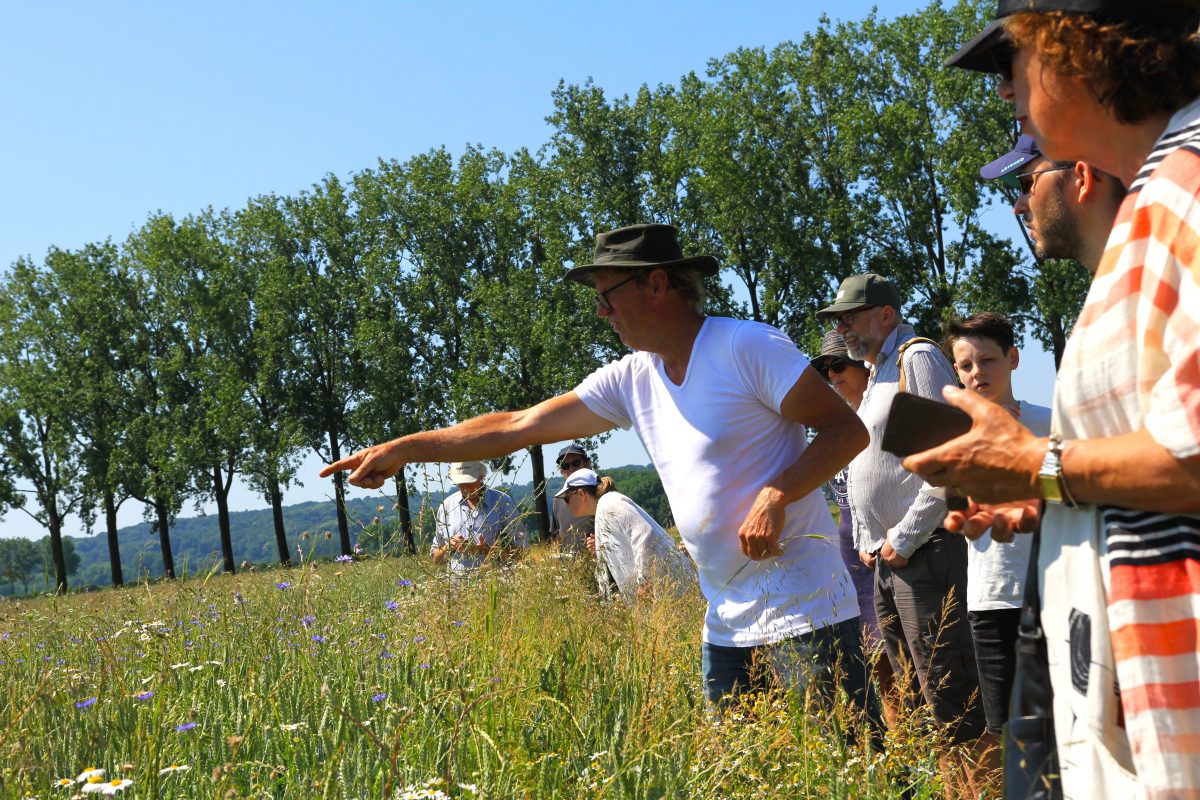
(56, 553)
(114, 546)
(285, 555)
(539, 493)
(339, 493)
(164, 537)
(221, 492)
(405, 512)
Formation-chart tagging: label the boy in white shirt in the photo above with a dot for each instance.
(984, 358)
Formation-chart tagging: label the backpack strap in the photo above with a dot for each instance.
(900, 357)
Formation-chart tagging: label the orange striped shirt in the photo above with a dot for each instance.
(1133, 363)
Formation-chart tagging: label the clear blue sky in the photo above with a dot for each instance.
(115, 110)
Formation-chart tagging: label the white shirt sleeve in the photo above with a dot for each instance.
(604, 392)
(768, 361)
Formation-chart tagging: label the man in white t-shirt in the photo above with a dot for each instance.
(722, 407)
(984, 358)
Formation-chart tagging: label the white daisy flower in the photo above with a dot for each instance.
(89, 773)
(174, 768)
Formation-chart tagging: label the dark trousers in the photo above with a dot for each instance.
(995, 635)
(825, 659)
(922, 614)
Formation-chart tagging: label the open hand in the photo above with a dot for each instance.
(1003, 519)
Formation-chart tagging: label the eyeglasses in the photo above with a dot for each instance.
(567, 466)
(837, 365)
(846, 318)
(601, 299)
(1026, 181)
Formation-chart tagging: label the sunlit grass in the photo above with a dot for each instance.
(379, 679)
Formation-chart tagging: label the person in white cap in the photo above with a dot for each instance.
(635, 557)
(471, 524)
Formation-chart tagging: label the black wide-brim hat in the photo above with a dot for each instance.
(977, 54)
(647, 246)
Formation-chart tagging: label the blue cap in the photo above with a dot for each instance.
(1025, 151)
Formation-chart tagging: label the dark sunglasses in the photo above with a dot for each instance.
(836, 365)
(566, 465)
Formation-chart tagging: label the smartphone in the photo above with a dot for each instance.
(915, 424)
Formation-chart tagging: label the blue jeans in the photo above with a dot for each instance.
(824, 659)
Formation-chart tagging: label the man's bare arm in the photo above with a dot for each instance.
(840, 437)
(487, 436)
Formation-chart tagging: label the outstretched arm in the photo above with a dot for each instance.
(488, 436)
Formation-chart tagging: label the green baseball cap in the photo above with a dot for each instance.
(857, 291)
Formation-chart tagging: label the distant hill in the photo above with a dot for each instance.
(195, 541)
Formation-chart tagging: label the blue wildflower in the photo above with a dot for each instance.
(392, 605)
(187, 726)
(379, 697)
(283, 585)
(88, 703)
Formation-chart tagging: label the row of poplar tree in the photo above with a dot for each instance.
(414, 293)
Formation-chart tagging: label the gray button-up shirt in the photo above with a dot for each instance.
(886, 500)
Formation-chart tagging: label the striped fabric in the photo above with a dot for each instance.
(1132, 363)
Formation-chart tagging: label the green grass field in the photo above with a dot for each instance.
(378, 679)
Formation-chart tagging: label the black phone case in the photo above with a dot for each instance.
(916, 424)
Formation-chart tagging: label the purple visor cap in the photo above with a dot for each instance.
(1025, 151)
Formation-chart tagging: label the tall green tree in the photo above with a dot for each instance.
(154, 461)
(96, 287)
(317, 252)
(38, 432)
(258, 275)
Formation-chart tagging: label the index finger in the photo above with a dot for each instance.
(349, 462)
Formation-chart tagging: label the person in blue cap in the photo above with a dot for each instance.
(1067, 206)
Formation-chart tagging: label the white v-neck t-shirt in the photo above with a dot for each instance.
(716, 440)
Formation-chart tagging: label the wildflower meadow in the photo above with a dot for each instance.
(381, 678)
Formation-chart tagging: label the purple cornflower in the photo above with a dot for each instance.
(424, 666)
(308, 620)
(187, 726)
(283, 585)
(458, 623)
(404, 582)
(391, 605)
(418, 639)
(142, 696)
(379, 698)
(318, 638)
(88, 703)
(344, 559)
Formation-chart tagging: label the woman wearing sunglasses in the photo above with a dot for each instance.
(635, 557)
(849, 378)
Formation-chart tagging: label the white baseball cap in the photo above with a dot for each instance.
(467, 471)
(580, 477)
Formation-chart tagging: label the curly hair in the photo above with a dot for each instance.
(1133, 71)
